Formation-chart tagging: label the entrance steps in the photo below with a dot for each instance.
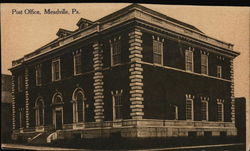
(43, 138)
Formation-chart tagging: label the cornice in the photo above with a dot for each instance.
(133, 12)
(186, 39)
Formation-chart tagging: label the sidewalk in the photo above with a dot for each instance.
(229, 147)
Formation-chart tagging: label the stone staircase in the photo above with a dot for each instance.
(43, 138)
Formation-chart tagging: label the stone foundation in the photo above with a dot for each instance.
(143, 128)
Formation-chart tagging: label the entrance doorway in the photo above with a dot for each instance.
(57, 105)
(58, 118)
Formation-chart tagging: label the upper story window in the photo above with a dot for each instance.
(56, 71)
(189, 59)
(157, 50)
(39, 75)
(77, 63)
(20, 83)
(115, 46)
(117, 105)
(219, 71)
(204, 64)
(220, 110)
(204, 109)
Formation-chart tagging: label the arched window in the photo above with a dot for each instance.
(57, 99)
(39, 106)
(78, 106)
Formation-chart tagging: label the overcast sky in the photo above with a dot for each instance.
(24, 33)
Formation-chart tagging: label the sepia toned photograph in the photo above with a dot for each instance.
(125, 76)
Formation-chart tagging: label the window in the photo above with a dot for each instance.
(219, 71)
(175, 112)
(77, 64)
(56, 73)
(21, 118)
(38, 75)
(20, 83)
(204, 110)
(39, 106)
(189, 59)
(117, 105)
(116, 52)
(189, 109)
(204, 64)
(78, 106)
(220, 109)
(157, 52)
(57, 99)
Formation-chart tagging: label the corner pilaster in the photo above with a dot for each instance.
(26, 80)
(13, 102)
(136, 76)
(98, 82)
(232, 91)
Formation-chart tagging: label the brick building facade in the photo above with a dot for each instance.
(135, 72)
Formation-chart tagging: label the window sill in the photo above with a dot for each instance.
(204, 120)
(78, 74)
(56, 80)
(158, 65)
(189, 71)
(204, 74)
(117, 120)
(116, 65)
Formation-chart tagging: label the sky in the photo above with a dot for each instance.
(24, 33)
